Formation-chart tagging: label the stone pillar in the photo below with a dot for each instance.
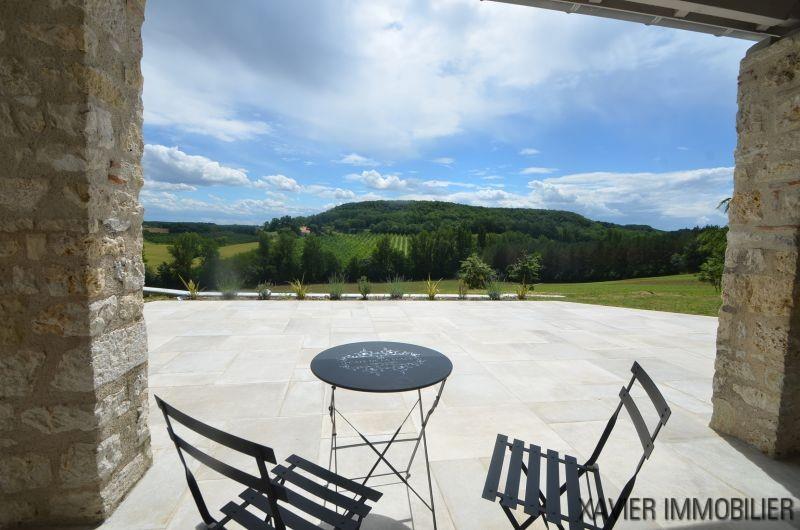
(757, 380)
(73, 370)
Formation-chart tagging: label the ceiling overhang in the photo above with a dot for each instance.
(742, 19)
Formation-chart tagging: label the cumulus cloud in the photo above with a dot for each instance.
(171, 166)
(528, 151)
(537, 171)
(390, 76)
(354, 159)
(278, 182)
(373, 179)
(329, 192)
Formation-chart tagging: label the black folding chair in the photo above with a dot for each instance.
(261, 504)
(547, 504)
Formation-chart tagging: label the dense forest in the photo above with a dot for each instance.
(436, 238)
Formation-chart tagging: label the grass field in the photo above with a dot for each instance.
(344, 246)
(678, 294)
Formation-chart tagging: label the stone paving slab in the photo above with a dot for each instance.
(547, 372)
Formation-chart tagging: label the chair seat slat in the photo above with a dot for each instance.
(573, 494)
(495, 467)
(532, 482)
(318, 490)
(243, 517)
(289, 518)
(333, 478)
(511, 493)
(553, 501)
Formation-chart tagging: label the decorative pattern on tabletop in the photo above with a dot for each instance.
(378, 362)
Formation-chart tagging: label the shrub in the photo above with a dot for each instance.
(494, 290)
(475, 272)
(299, 288)
(462, 289)
(526, 269)
(364, 287)
(336, 287)
(192, 287)
(264, 291)
(396, 288)
(432, 288)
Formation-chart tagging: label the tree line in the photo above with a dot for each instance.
(282, 255)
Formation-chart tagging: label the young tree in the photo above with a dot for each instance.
(283, 256)
(184, 250)
(526, 269)
(312, 260)
(475, 272)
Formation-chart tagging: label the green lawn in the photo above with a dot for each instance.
(679, 294)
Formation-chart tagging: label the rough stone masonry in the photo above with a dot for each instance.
(757, 379)
(73, 370)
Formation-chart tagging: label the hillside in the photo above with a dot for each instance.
(411, 217)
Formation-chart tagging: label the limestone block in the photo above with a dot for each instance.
(85, 463)
(21, 195)
(6, 417)
(60, 418)
(18, 372)
(24, 472)
(110, 356)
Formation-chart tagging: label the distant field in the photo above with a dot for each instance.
(344, 246)
(679, 294)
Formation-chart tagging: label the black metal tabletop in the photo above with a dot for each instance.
(381, 366)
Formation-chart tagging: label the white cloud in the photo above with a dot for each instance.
(354, 159)
(217, 209)
(666, 200)
(329, 192)
(373, 179)
(392, 75)
(529, 151)
(444, 160)
(492, 177)
(279, 182)
(155, 185)
(537, 171)
(162, 164)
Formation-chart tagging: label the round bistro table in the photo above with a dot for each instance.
(382, 367)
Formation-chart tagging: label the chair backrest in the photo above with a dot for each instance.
(646, 436)
(261, 453)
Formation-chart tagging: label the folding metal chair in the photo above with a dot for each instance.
(546, 465)
(261, 504)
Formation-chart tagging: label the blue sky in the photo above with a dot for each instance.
(259, 109)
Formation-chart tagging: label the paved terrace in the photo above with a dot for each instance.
(545, 372)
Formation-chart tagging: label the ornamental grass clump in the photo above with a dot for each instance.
(462, 289)
(299, 288)
(335, 287)
(192, 287)
(364, 287)
(494, 290)
(432, 288)
(396, 288)
(522, 291)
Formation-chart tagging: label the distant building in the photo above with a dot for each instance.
(304, 230)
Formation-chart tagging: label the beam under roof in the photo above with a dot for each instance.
(743, 19)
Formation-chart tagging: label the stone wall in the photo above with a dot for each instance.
(73, 370)
(757, 381)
